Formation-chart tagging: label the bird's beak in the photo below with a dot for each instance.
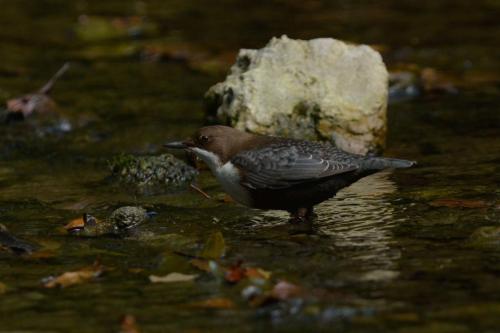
(179, 144)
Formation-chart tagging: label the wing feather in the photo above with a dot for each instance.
(286, 164)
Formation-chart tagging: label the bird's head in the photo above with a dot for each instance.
(215, 145)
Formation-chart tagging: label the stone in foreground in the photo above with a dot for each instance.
(318, 89)
(151, 174)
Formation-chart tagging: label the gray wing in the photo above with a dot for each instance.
(286, 164)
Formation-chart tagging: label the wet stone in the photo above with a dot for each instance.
(148, 175)
(122, 222)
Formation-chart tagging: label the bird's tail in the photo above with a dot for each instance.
(379, 163)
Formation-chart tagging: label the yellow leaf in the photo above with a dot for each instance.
(215, 246)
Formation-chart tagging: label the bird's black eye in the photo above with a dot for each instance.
(203, 139)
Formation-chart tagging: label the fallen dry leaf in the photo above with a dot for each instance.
(172, 277)
(459, 203)
(129, 325)
(235, 273)
(214, 303)
(71, 278)
(75, 223)
(232, 274)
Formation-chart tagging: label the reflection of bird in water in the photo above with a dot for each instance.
(358, 222)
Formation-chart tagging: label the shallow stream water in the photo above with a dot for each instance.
(393, 253)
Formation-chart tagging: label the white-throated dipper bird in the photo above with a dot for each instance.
(269, 172)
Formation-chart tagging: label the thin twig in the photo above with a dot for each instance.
(199, 190)
(48, 86)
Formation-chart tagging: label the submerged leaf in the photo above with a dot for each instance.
(173, 277)
(71, 278)
(215, 246)
(75, 223)
(129, 325)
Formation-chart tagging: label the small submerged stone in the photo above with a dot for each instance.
(121, 222)
(151, 174)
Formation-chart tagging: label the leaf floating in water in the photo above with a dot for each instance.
(71, 278)
(129, 325)
(459, 203)
(172, 277)
(236, 273)
(215, 246)
(214, 303)
(231, 274)
(75, 224)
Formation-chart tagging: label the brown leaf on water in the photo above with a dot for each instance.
(459, 203)
(235, 273)
(215, 246)
(232, 274)
(214, 303)
(173, 277)
(75, 223)
(129, 325)
(71, 278)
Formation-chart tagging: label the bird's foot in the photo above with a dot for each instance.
(301, 221)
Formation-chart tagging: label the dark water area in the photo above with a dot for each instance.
(415, 250)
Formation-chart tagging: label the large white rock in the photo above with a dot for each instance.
(317, 89)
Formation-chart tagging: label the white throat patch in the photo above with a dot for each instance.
(227, 175)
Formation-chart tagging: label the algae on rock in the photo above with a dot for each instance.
(318, 89)
(152, 174)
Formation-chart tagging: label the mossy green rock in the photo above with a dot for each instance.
(152, 174)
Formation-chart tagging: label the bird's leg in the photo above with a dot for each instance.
(301, 221)
(302, 215)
